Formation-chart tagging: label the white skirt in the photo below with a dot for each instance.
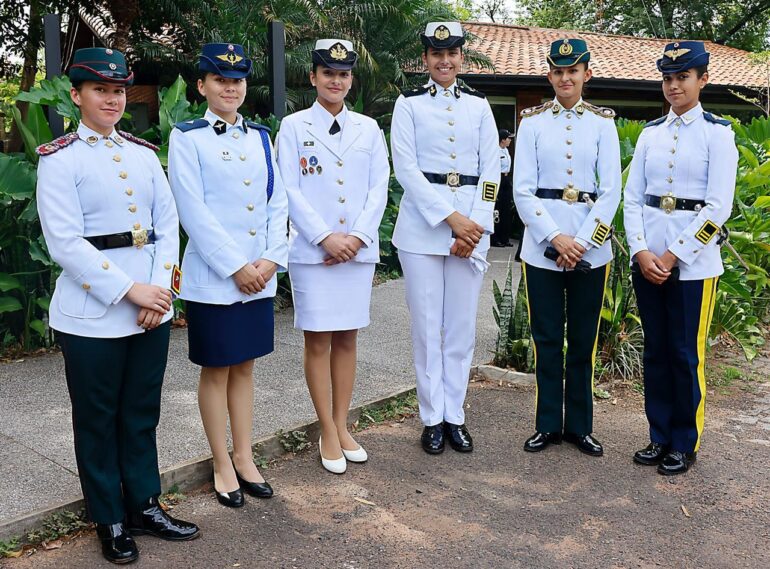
(331, 298)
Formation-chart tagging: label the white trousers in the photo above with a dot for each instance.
(442, 293)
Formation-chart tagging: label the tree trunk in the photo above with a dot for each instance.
(124, 13)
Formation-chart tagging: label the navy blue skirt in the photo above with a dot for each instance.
(224, 335)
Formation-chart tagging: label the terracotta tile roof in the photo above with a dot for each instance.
(517, 50)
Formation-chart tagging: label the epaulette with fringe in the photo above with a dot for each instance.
(532, 111)
(57, 144)
(605, 112)
(136, 140)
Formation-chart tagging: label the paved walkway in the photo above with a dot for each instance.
(37, 462)
(497, 508)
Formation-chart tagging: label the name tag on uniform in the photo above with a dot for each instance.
(226, 156)
(308, 143)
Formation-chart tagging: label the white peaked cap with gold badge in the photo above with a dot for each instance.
(334, 54)
(443, 35)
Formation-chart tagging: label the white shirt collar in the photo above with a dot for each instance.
(578, 109)
(327, 119)
(91, 137)
(213, 118)
(688, 117)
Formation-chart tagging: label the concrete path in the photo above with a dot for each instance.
(37, 462)
(497, 508)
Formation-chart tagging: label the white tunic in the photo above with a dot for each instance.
(559, 148)
(690, 157)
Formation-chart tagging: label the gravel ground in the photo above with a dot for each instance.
(497, 507)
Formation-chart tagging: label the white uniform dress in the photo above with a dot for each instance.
(439, 130)
(336, 183)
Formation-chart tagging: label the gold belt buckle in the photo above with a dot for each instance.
(453, 180)
(139, 238)
(570, 195)
(668, 203)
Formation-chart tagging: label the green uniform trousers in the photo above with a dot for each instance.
(114, 386)
(564, 396)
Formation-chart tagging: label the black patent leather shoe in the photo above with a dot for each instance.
(676, 462)
(459, 437)
(117, 544)
(433, 439)
(652, 455)
(256, 489)
(540, 441)
(153, 520)
(585, 443)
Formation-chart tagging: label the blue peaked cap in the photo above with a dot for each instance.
(225, 59)
(682, 55)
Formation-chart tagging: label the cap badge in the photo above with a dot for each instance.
(441, 33)
(113, 66)
(108, 51)
(338, 52)
(565, 48)
(230, 57)
(674, 53)
(230, 47)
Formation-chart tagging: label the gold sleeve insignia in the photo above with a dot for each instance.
(706, 232)
(601, 233)
(489, 192)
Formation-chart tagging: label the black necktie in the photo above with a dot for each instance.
(335, 127)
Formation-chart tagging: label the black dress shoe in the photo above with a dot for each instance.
(433, 439)
(539, 441)
(585, 443)
(117, 544)
(256, 489)
(459, 437)
(232, 499)
(676, 462)
(651, 455)
(153, 520)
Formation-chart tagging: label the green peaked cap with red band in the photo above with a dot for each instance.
(100, 64)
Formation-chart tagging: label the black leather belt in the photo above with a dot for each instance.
(452, 179)
(136, 238)
(567, 194)
(670, 203)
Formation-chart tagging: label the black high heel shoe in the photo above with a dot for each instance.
(232, 499)
(256, 489)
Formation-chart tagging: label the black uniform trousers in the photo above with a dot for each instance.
(564, 396)
(114, 386)
(503, 211)
(676, 317)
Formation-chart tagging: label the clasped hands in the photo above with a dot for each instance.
(467, 234)
(154, 302)
(570, 251)
(340, 248)
(656, 269)
(252, 278)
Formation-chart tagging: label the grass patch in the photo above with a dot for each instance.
(396, 409)
(293, 441)
(257, 457)
(10, 547)
(171, 498)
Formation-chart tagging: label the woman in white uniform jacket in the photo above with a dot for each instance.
(335, 168)
(233, 206)
(445, 155)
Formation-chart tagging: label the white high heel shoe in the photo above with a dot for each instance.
(358, 455)
(336, 466)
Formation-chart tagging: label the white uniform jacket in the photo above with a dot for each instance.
(90, 185)
(335, 184)
(440, 130)
(692, 157)
(562, 149)
(219, 176)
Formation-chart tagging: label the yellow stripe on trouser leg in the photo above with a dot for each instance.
(706, 313)
(529, 315)
(598, 325)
